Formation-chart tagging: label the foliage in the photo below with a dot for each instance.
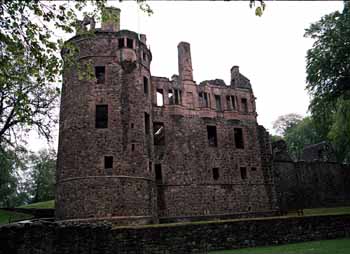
(259, 10)
(328, 78)
(42, 176)
(302, 134)
(11, 191)
(285, 122)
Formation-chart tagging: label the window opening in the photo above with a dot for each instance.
(158, 171)
(212, 137)
(100, 73)
(108, 162)
(101, 120)
(145, 85)
(160, 98)
(218, 102)
(129, 43)
(158, 134)
(147, 123)
(132, 147)
(216, 173)
(121, 43)
(243, 173)
(238, 133)
(253, 168)
(244, 105)
(171, 96)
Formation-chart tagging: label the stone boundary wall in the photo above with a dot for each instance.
(58, 238)
(312, 184)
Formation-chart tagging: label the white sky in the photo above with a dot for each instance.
(270, 50)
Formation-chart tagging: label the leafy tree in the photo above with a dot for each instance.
(302, 134)
(328, 78)
(11, 187)
(42, 176)
(285, 122)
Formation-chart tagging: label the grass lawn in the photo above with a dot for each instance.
(337, 246)
(7, 216)
(325, 211)
(45, 204)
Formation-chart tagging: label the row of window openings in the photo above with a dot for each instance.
(108, 164)
(158, 129)
(204, 100)
(175, 96)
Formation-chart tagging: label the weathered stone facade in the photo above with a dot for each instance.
(315, 181)
(138, 148)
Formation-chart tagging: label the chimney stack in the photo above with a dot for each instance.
(110, 19)
(234, 75)
(185, 62)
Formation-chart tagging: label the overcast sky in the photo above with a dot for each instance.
(270, 50)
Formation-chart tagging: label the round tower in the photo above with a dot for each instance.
(104, 169)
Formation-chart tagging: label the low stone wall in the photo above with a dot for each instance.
(58, 238)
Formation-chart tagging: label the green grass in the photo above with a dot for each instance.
(327, 211)
(7, 216)
(45, 204)
(338, 246)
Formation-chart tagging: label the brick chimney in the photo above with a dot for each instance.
(185, 62)
(110, 19)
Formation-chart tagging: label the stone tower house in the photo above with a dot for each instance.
(135, 148)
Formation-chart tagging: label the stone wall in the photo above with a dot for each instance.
(312, 184)
(55, 238)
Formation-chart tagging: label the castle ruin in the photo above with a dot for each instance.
(136, 149)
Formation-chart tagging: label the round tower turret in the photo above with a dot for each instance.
(104, 154)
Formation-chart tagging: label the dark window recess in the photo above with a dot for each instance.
(132, 147)
(218, 102)
(216, 173)
(100, 73)
(121, 43)
(108, 161)
(158, 171)
(243, 173)
(253, 168)
(244, 105)
(177, 94)
(204, 99)
(150, 166)
(238, 132)
(132, 125)
(171, 96)
(147, 123)
(129, 43)
(233, 104)
(212, 138)
(158, 134)
(101, 116)
(145, 85)
(160, 98)
(144, 56)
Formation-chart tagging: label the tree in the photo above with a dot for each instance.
(301, 134)
(328, 78)
(42, 175)
(11, 187)
(285, 122)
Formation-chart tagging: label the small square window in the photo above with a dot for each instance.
(121, 43)
(212, 137)
(101, 120)
(253, 168)
(158, 171)
(108, 162)
(243, 173)
(100, 73)
(129, 43)
(216, 173)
